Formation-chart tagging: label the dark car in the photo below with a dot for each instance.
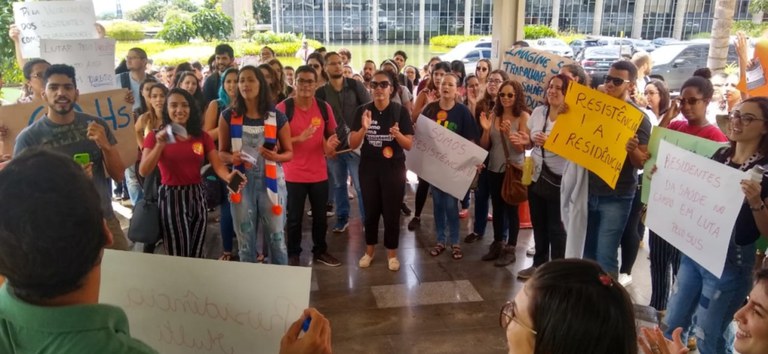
(597, 60)
(676, 62)
(579, 44)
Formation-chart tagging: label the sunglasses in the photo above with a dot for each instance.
(746, 120)
(482, 68)
(689, 100)
(508, 314)
(377, 84)
(616, 81)
(506, 95)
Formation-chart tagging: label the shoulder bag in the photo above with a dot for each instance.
(512, 189)
(145, 222)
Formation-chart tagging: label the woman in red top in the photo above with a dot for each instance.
(183, 217)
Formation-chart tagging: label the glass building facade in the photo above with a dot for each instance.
(409, 20)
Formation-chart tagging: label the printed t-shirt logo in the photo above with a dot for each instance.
(442, 115)
(387, 152)
(197, 148)
(316, 121)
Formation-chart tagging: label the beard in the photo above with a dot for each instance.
(367, 77)
(61, 109)
(336, 76)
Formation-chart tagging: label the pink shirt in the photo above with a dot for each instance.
(308, 164)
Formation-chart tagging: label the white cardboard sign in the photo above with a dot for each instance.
(693, 204)
(186, 305)
(443, 158)
(93, 60)
(53, 20)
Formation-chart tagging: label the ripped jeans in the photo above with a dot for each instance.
(255, 209)
(701, 299)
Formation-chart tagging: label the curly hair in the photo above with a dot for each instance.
(519, 106)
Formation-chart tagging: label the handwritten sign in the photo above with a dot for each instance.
(108, 105)
(93, 59)
(694, 203)
(694, 144)
(185, 305)
(443, 158)
(53, 20)
(533, 68)
(593, 133)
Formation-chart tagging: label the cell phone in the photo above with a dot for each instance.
(82, 158)
(269, 145)
(235, 182)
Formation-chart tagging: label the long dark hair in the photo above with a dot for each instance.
(143, 103)
(276, 87)
(600, 316)
(393, 82)
(664, 98)
(263, 101)
(155, 120)
(320, 59)
(519, 106)
(198, 95)
(566, 81)
(195, 121)
(762, 103)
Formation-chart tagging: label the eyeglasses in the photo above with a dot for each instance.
(508, 314)
(689, 100)
(305, 82)
(507, 95)
(651, 93)
(746, 119)
(495, 81)
(616, 81)
(482, 68)
(377, 84)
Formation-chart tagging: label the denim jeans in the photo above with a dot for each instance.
(135, 189)
(605, 225)
(700, 298)
(446, 210)
(344, 166)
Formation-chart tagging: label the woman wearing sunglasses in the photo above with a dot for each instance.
(382, 129)
(570, 306)
(698, 293)
(317, 62)
(483, 70)
(505, 136)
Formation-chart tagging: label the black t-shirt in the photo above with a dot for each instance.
(458, 119)
(378, 143)
(745, 230)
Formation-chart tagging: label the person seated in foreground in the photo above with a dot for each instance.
(52, 239)
(570, 306)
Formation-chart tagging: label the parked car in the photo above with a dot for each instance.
(469, 53)
(597, 60)
(676, 62)
(646, 46)
(577, 45)
(553, 45)
(661, 41)
(626, 45)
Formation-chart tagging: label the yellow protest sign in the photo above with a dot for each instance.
(594, 131)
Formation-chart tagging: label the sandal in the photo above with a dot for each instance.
(260, 258)
(438, 250)
(226, 256)
(456, 253)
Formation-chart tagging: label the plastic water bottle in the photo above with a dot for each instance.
(756, 174)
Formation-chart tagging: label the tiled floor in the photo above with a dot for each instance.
(432, 305)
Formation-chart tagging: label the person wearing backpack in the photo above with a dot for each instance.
(343, 95)
(306, 175)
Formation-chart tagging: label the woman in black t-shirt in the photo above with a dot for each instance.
(382, 129)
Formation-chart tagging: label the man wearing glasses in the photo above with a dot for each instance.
(136, 62)
(609, 208)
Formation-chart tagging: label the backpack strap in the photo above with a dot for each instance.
(125, 80)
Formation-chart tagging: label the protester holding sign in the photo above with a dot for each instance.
(508, 125)
(544, 192)
(695, 95)
(179, 150)
(455, 117)
(382, 129)
(719, 298)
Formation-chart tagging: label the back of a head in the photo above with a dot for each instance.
(577, 308)
(641, 58)
(701, 84)
(51, 225)
(703, 73)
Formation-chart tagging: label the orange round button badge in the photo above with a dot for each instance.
(197, 148)
(387, 152)
(316, 122)
(442, 115)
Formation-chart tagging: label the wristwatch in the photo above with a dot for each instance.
(758, 208)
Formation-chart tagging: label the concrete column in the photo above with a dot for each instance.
(276, 10)
(375, 21)
(508, 21)
(637, 21)
(467, 17)
(679, 23)
(422, 13)
(327, 21)
(239, 11)
(597, 20)
(556, 15)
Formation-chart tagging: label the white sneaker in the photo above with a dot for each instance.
(625, 279)
(531, 251)
(365, 261)
(394, 264)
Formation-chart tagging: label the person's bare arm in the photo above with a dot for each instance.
(210, 120)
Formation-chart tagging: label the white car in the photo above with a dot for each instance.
(469, 53)
(552, 45)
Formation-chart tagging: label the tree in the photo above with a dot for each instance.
(156, 10)
(262, 11)
(177, 28)
(8, 67)
(212, 24)
(721, 32)
(757, 8)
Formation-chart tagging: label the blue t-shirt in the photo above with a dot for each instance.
(71, 139)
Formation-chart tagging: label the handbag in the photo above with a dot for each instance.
(548, 184)
(144, 226)
(512, 189)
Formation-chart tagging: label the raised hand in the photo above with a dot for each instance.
(485, 121)
(366, 119)
(98, 135)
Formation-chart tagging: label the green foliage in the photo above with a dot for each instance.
(756, 6)
(287, 49)
(212, 24)
(184, 5)
(569, 36)
(701, 35)
(125, 31)
(177, 29)
(751, 29)
(270, 37)
(538, 31)
(156, 10)
(450, 41)
(11, 72)
(262, 12)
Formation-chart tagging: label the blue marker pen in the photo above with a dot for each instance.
(305, 325)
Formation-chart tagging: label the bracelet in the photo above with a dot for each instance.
(758, 208)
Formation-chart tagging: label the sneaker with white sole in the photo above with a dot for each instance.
(341, 227)
(531, 251)
(365, 261)
(625, 279)
(327, 259)
(393, 264)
